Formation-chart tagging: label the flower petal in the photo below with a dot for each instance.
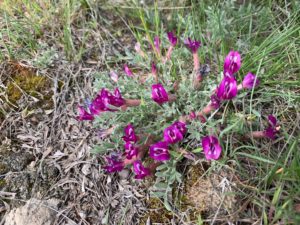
(157, 43)
(140, 171)
(172, 38)
(211, 147)
(232, 62)
(250, 81)
(131, 150)
(127, 71)
(84, 115)
(114, 163)
(193, 45)
(272, 120)
(227, 89)
(130, 135)
(159, 94)
(174, 133)
(160, 151)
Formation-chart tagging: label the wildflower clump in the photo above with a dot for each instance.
(165, 110)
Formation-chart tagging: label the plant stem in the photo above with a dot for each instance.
(197, 75)
(257, 134)
(132, 102)
(168, 56)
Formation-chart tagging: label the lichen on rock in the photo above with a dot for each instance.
(34, 212)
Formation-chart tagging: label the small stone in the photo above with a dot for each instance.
(114, 203)
(34, 212)
(86, 169)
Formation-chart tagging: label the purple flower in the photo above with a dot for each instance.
(192, 115)
(227, 89)
(227, 74)
(137, 47)
(211, 147)
(159, 94)
(180, 126)
(175, 132)
(272, 129)
(153, 68)
(114, 76)
(127, 71)
(83, 114)
(160, 151)
(172, 38)
(272, 120)
(157, 43)
(192, 45)
(117, 99)
(114, 163)
(130, 134)
(250, 81)
(140, 171)
(232, 62)
(105, 99)
(99, 104)
(215, 101)
(130, 150)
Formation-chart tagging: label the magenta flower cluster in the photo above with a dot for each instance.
(272, 129)
(160, 151)
(211, 147)
(140, 171)
(114, 163)
(131, 150)
(172, 134)
(159, 94)
(172, 38)
(228, 87)
(117, 161)
(104, 101)
(192, 45)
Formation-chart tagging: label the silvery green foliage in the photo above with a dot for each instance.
(166, 176)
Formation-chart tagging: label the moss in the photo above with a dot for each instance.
(3, 168)
(156, 209)
(2, 183)
(2, 116)
(24, 80)
(184, 201)
(157, 212)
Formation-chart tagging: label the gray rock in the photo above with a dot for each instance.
(34, 212)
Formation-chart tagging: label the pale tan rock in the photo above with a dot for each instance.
(34, 212)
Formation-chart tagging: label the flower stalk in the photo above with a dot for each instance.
(138, 49)
(169, 53)
(193, 46)
(173, 41)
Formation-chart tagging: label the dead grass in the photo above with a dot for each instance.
(55, 139)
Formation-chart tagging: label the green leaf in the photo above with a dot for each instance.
(161, 185)
(197, 150)
(167, 205)
(258, 158)
(160, 174)
(157, 194)
(162, 166)
(98, 150)
(276, 195)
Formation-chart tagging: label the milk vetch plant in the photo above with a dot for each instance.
(163, 107)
